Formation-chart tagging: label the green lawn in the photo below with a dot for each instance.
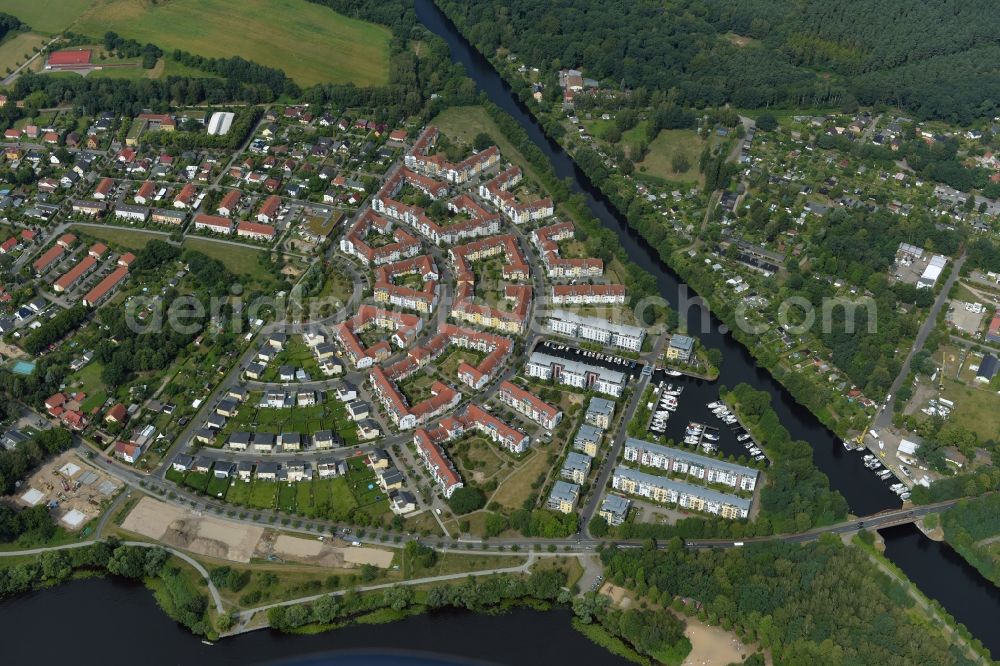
(264, 495)
(977, 409)
(286, 496)
(240, 260)
(239, 493)
(126, 239)
(664, 147)
(463, 123)
(311, 43)
(198, 480)
(304, 499)
(46, 15)
(217, 487)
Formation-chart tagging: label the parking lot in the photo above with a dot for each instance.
(609, 361)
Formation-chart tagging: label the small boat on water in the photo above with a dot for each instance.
(742, 438)
(715, 405)
(710, 437)
(673, 373)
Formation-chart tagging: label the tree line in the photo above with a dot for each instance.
(934, 59)
(819, 603)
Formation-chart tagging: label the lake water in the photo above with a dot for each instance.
(115, 623)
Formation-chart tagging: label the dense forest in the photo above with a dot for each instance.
(934, 58)
(971, 528)
(821, 603)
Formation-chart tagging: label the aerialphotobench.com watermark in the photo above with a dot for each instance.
(296, 313)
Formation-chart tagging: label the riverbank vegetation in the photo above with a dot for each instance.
(820, 603)
(972, 528)
(175, 593)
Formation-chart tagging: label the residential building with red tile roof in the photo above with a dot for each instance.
(103, 188)
(530, 405)
(229, 204)
(216, 223)
(255, 230)
(437, 463)
(145, 192)
(355, 242)
(547, 239)
(105, 287)
(186, 196)
(48, 259)
(269, 209)
(71, 277)
(423, 299)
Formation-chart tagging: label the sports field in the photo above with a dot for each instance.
(311, 43)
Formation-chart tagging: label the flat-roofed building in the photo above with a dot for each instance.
(667, 491)
(599, 330)
(680, 461)
(576, 374)
(576, 467)
(614, 509)
(563, 496)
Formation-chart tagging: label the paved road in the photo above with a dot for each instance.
(883, 418)
(621, 434)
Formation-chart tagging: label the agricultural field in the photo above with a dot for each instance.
(311, 43)
(48, 16)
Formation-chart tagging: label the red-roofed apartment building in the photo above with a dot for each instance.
(186, 196)
(255, 230)
(104, 188)
(437, 463)
(145, 192)
(269, 210)
(530, 405)
(216, 223)
(47, 260)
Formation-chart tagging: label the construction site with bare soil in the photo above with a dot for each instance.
(234, 541)
(75, 491)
